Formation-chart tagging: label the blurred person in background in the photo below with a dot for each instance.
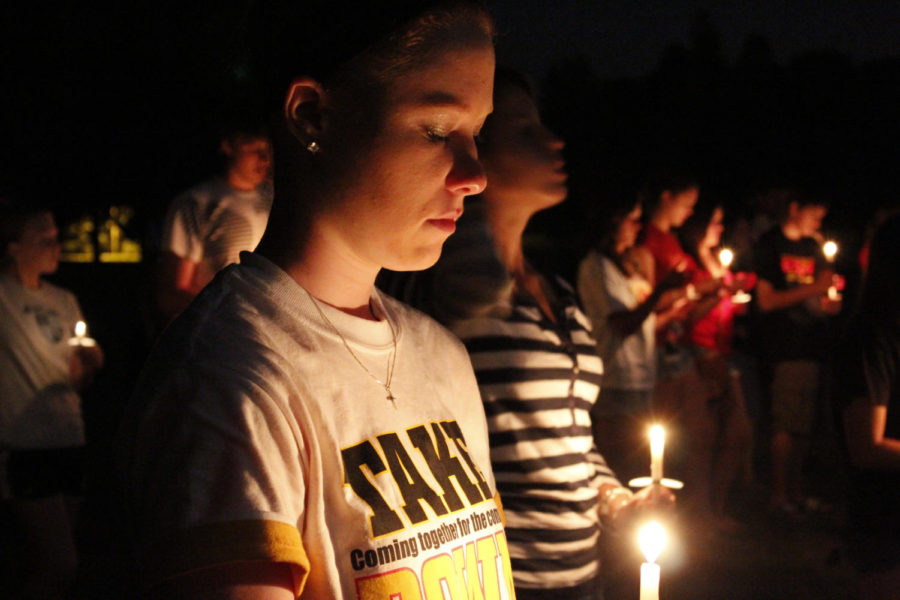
(709, 332)
(868, 399)
(41, 427)
(207, 226)
(625, 311)
(680, 397)
(793, 302)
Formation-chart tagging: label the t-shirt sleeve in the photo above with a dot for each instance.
(596, 293)
(182, 233)
(218, 476)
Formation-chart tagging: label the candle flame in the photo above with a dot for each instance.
(80, 328)
(830, 249)
(726, 257)
(652, 540)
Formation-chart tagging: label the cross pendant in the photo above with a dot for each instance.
(390, 396)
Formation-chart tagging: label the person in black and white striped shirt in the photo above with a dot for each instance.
(535, 360)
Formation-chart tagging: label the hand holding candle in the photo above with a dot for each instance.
(652, 539)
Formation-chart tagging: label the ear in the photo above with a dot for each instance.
(304, 107)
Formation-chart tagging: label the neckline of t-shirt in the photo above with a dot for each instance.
(374, 336)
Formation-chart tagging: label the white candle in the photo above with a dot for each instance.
(830, 249)
(726, 257)
(657, 444)
(652, 538)
(81, 338)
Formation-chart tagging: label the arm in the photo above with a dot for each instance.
(625, 323)
(769, 299)
(176, 285)
(236, 581)
(864, 431)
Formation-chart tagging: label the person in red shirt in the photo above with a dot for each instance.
(709, 330)
(680, 393)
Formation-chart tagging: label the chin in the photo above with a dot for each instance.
(418, 261)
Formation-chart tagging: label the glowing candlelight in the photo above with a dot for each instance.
(652, 539)
(657, 444)
(81, 338)
(726, 257)
(830, 249)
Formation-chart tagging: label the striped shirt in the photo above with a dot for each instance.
(538, 381)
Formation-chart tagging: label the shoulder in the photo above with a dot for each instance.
(592, 263)
(59, 295)
(199, 195)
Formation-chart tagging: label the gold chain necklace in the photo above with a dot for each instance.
(386, 384)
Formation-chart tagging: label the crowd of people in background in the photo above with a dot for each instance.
(274, 401)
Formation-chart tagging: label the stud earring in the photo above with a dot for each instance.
(313, 147)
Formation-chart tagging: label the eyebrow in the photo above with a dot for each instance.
(438, 98)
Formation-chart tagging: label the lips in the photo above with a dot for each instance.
(446, 225)
(447, 221)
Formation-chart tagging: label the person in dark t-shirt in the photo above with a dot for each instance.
(792, 297)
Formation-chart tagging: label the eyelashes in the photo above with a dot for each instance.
(438, 136)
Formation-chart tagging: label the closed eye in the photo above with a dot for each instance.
(436, 135)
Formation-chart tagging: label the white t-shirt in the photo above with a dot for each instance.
(38, 407)
(212, 223)
(259, 437)
(630, 363)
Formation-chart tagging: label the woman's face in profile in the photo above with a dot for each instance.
(411, 175)
(628, 229)
(523, 159)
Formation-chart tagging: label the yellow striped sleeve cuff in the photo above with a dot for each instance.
(222, 543)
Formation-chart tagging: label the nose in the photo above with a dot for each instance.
(554, 141)
(466, 176)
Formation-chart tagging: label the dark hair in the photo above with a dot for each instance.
(779, 200)
(694, 229)
(505, 80)
(664, 180)
(881, 287)
(354, 50)
(243, 124)
(15, 217)
(613, 204)
(327, 39)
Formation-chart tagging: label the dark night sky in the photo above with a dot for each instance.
(110, 101)
(625, 38)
